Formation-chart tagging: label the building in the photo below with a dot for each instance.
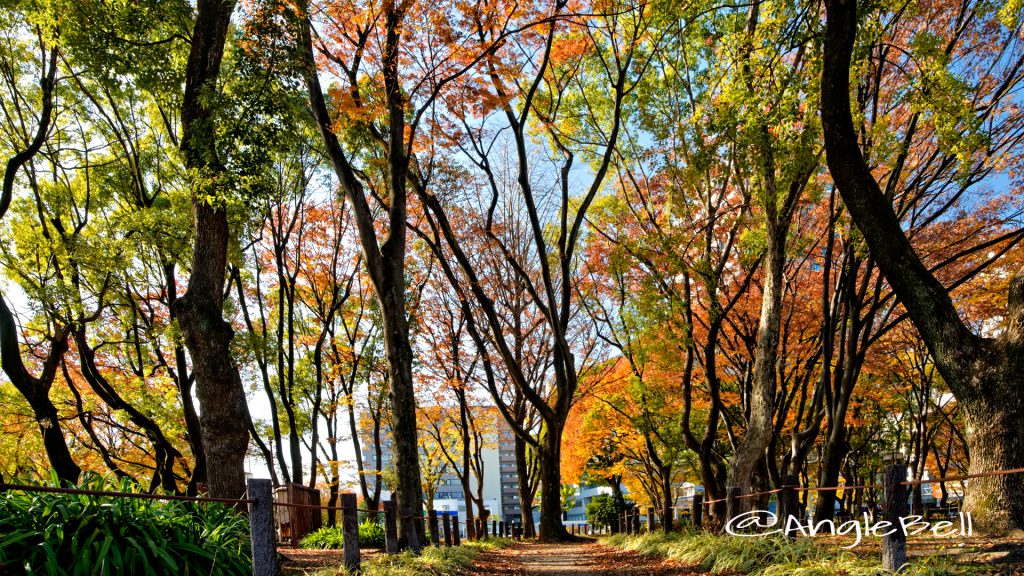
(584, 495)
(511, 509)
(500, 482)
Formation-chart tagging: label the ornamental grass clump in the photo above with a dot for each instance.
(772, 556)
(76, 535)
(432, 561)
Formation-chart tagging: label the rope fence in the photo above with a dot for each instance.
(876, 486)
(260, 501)
(107, 493)
(379, 511)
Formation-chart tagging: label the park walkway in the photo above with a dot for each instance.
(576, 559)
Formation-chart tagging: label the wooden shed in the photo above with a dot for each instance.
(294, 523)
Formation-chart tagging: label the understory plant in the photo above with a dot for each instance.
(76, 535)
(371, 535)
(772, 556)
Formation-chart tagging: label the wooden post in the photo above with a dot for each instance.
(636, 521)
(446, 523)
(435, 538)
(698, 511)
(418, 527)
(894, 506)
(390, 528)
(732, 501)
(494, 528)
(261, 527)
(457, 530)
(350, 532)
(650, 519)
(788, 505)
(501, 529)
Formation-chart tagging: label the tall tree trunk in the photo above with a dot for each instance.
(526, 492)
(467, 492)
(834, 452)
(997, 443)
(986, 375)
(668, 502)
(224, 414)
(762, 395)
(403, 407)
(550, 453)
(184, 382)
(467, 496)
(615, 481)
(385, 262)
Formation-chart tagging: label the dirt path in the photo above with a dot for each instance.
(585, 559)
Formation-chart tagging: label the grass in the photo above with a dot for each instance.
(431, 562)
(772, 556)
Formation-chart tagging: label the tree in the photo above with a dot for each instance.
(225, 415)
(983, 372)
(785, 160)
(522, 92)
(384, 261)
(35, 389)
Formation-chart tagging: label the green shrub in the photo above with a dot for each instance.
(326, 537)
(432, 561)
(603, 509)
(60, 534)
(371, 535)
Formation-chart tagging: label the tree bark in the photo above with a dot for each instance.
(668, 502)
(762, 394)
(224, 413)
(984, 374)
(526, 488)
(551, 527)
(184, 382)
(385, 262)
